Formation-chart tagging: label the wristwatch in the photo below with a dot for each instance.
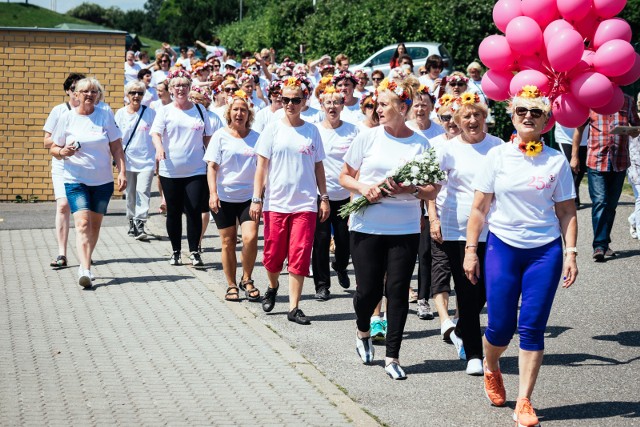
(415, 192)
(256, 200)
(574, 250)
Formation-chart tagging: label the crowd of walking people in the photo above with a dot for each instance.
(250, 142)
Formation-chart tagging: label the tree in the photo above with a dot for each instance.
(188, 20)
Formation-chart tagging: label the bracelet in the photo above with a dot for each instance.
(434, 220)
(60, 152)
(573, 249)
(324, 197)
(470, 246)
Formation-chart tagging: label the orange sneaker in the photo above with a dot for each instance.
(524, 415)
(493, 386)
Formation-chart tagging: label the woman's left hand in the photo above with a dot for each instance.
(324, 210)
(570, 271)
(394, 188)
(122, 181)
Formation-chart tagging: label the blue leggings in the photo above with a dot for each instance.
(511, 272)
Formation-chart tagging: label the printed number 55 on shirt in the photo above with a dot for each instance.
(306, 149)
(541, 182)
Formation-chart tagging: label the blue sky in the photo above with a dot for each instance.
(64, 5)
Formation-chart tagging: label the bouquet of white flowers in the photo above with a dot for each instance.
(422, 170)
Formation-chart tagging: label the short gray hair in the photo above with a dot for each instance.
(136, 85)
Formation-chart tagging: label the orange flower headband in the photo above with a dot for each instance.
(241, 95)
(392, 86)
(296, 82)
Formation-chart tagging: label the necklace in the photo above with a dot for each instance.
(531, 148)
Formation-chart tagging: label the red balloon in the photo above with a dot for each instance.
(568, 111)
(630, 76)
(550, 124)
(495, 84)
(592, 89)
(611, 29)
(616, 103)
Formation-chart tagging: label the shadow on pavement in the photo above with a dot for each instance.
(555, 331)
(128, 260)
(509, 365)
(155, 280)
(591, 410)
(626, 338)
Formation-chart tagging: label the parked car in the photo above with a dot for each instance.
(419, 51)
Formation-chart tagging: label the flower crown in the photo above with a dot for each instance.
(364, 98)
(424, 90)
(532, 92)
(200, 66)
(296, 82)
(361, 72)
(202, 92)
(467, 98)
(457, 78)
(178, 72)
(241, 95)
(216, 88)
(328, 67)
(329, 90)
(445, 101)
(344, 75)
(274, 86)
(229, 75)
(244, 78)
(392, 86)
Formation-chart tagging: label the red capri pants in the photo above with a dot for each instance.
(288, 235)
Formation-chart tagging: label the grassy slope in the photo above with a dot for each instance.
(23, 15)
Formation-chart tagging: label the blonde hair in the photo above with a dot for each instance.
(250, 114)
(519, 101)
(458, 113)
(135, 85)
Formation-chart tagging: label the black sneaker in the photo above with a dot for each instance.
(269, 298)
(140, 233)
(343, 278)
(132, 229)
(196, 261)
(175, 258)
(598, 255)
(322, 294)
(296, 315)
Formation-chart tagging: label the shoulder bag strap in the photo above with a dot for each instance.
(144, 107)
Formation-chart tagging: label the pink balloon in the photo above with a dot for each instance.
(585, 64)
(530, 62)
(565, 50)
(614, 105)
(541, 11)
(608, 8)
(554, 29)
(568, 111)
(504, 11)
(614, 58)
(529, 77)
(630, 76)
(611, 29)
(574, 10)
(495, 52)
(550, 124)
(495, 84)
(524, 35)
(587, 26)
(592, 89)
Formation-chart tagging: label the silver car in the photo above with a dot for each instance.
(419, 51)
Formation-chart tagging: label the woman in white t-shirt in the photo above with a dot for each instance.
(462, 158)
(230, 173)
(368, 108)
(267, 115)
(130, 68)
(150, 94)
(564, 138)
(135, 121)
(63, 213)
(164, 98)
(384, 236)
(164, 63)
(337, 136)
(87, 138)
(525, 192)
(290, 174)
(180, 134)
(346, 83)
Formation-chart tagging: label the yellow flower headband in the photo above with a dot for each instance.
(529, 94)
(392, 86)
(242, 95)
(530, 91)
(445, 101)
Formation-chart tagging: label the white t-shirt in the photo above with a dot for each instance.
(258, 104)
(293, 153)
(182, 133)
(57, 165)
(150, 95)
(310, 115)
(433, 131)
(564, 135)
(237, 160)
(220, 111)
(352, 113)
(185, 62)
(141, 154)
(91, 164)
(435, 143)
(336, 142)
(158, 77)
(131, 72)
(525, 188)
(263, 118)
(374, 153)
(462, 162)
(214, 120)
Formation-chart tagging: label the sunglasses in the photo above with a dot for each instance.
(377, 79)
(295, 101)
(164, 60)
(458, 84)
(135, 92)
(230, 89)
(445, 118)
(536, 113)
(422, 73)
(368, 106)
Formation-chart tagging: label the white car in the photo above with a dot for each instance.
(418, 51)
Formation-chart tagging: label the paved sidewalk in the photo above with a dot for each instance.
(150, 344)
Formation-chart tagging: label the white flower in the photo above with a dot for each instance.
(406, 182)
(414, 182)
(415, 171)
(421, 181)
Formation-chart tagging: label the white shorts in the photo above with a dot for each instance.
(58, 185)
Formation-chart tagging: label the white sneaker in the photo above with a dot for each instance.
(84, 278)
(457, 342)
(633, 231)
(395, 371)
(91, 276)
(474, 367)
(445, 330)
(364, 348)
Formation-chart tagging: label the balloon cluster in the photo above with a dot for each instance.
(575, 51)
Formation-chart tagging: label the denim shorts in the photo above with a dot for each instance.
(86, 197)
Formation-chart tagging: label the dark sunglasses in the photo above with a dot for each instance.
(422, 73)
(135, 92)
(445, 118)
(458, 84)
(368, 106)
(295, 101)
(377, 79)
(164, 60)
(536, 113)
(230, 89)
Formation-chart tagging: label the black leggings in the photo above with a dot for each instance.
(322, 240)
(470, 298)
(373, 256)
(184, 195)
(424, 263)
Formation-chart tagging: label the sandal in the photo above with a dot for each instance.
(232, 294)
(60, 262)
(162, 209)
(252, 294)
